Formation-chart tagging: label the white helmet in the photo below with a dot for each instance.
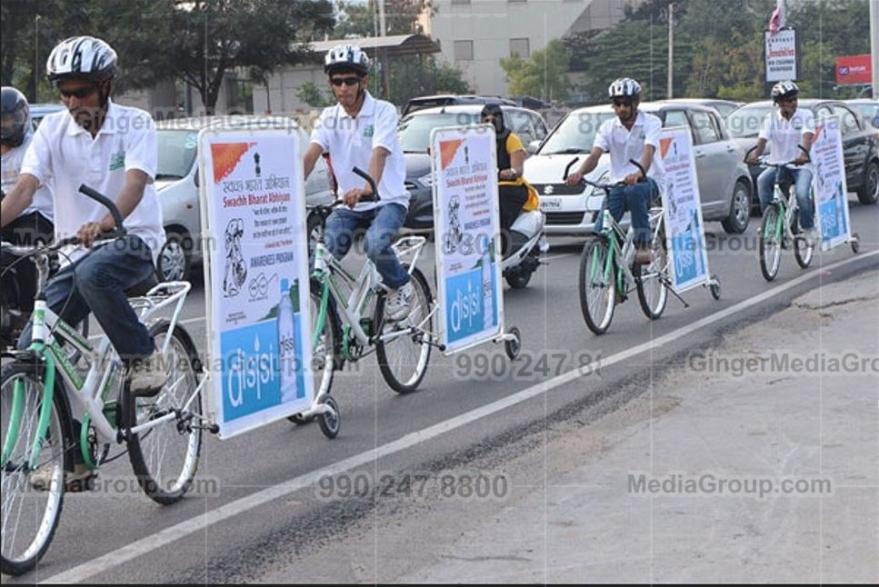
(785, 89)
(346, 57)
(624, 87)
(81, 57)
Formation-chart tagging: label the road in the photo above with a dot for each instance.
(259, 513)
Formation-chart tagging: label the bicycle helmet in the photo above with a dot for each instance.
(15, 116)
(343, 57)
(624, 87)
(784, 90)
(83, 57)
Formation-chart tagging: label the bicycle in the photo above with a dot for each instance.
(605, 273)
(781, 226)
(162, 434)
(348, 320)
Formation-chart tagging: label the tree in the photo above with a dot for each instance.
(543, 75)
(311, 95)
(420, 75)
(361, 19)
(253, 34)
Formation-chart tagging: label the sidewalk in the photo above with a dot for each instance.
(668, 489)
(722, 470)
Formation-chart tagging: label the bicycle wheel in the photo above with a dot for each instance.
(652, 292)
(597, 288)
(770, 243)
(402, 359)
(165, 458)
(30, 516)
(803, 251)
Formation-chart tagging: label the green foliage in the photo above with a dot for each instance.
(543, 75)
(311, 95)
(361, 19)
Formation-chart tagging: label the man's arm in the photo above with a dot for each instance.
(18, 198)
(646, 162)
(587, 166)
(376, 170)
(311, 155)
(130, 196)
(808, 139)
(752, 158)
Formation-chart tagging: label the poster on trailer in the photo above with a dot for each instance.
(828, 184)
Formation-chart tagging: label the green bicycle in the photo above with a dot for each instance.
(40, 386)
(348, 321)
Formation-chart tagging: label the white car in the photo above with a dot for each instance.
(177, 184)
(724, 183)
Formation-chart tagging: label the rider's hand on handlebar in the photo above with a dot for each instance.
(801, 160)
(353, 196)
(633, 178)
(574, 178)
(88, 233)
(751, 160)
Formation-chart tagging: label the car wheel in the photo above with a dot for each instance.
(175, 258)
(869, 192)
(739, 210)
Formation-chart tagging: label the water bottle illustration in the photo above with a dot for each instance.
(487, 283)
(287, 343)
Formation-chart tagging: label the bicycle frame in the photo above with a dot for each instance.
(614, 233)
(88, 393)
(788, 207)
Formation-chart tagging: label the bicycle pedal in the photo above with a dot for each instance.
(81, 485)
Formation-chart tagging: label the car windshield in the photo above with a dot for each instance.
(415, 130)
(870, 112)
(745, 122)
(575, 134)
(177, 151)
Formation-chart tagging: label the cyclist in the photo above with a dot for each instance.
(786, 130)
(631, 135)
(361, 131)
(111, 148)
(34, 223)
(514, 193)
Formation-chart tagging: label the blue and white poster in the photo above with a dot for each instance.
(828, 185)
(467, 224)
(684, 227)
(256, 277)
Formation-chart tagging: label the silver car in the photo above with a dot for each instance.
(177, 185)
(725, 187)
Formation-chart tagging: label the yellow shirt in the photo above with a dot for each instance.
(514, 143)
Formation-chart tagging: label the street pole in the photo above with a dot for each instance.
(671, 49)
(37, 58)
(874, 44)
(383, 55)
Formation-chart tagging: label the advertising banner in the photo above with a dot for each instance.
(780, 50)
(256, 277)
(828, 184)
(684, 228)
(467, 225)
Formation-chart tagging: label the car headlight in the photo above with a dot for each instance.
(426, 180)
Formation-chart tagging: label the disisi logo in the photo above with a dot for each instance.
(249, 372)
(251, 379)
(465, 308)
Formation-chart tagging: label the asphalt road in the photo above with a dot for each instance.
(229, 530)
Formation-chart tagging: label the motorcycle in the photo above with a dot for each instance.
(526, 243)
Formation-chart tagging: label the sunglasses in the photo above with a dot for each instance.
(622, 102)
(80, 93)
(348, 81)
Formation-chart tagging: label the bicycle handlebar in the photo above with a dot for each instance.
(604, 186)
(764, 159)
(374, 197)
(109, 205)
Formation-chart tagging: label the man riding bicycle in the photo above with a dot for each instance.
(34, 223)
(790, 132)
(361, 131)
(112, 149)
(631, 135)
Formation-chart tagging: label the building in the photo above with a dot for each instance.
(474, 35)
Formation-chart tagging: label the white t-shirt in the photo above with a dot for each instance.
(64, 156)
(623, 144)
(350, 142)
(11, 166)
(784, 135)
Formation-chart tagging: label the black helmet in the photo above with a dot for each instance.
(15, 117)
(495, 110)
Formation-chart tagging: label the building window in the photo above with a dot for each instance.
(463, 50)
(520, 47)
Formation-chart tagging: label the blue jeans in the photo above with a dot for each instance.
(802, 179)
(97, 283)
(636, 199)
(384, 223)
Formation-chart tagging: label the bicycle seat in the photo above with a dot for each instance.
(140, 289)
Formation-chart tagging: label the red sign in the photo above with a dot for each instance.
(854, 70)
